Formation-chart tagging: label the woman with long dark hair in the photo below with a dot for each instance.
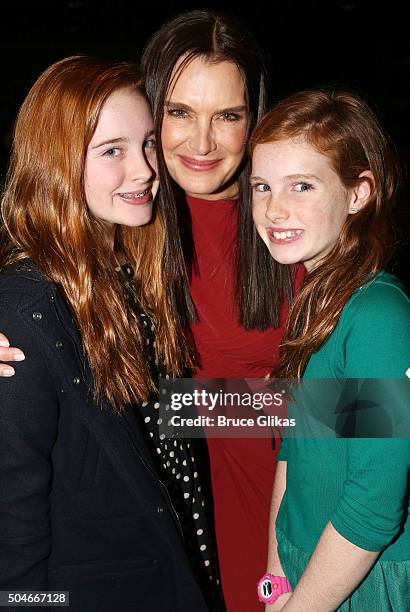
(324, 178)
(88, 272)
(206, 80)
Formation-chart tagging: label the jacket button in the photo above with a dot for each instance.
(37, 316)
(160, 509)
(59, 344)
(76, 380)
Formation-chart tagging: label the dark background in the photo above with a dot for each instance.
(363, 45)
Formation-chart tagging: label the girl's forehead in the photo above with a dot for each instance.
(292, 157)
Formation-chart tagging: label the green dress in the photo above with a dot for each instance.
(360, 485)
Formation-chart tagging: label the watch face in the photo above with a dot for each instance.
(266, 588)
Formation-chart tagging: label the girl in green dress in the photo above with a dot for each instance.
(323, 178)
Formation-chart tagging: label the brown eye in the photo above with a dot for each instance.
(231, 117)
(178, 113)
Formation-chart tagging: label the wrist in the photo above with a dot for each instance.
(271, 587)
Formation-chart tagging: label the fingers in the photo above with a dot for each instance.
(8, 353)
(3, 340)
(6, 370)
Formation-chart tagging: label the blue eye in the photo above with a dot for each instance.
(113, 152)
(302, 187)
(150, 143)
(261, 187)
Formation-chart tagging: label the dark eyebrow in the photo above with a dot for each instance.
(112, 141)
(233, 109)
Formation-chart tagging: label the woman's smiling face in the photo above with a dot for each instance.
(299, 202)
(205, 128)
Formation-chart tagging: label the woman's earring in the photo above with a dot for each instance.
(352, 209)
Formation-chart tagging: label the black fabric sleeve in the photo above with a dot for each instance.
(28, 430)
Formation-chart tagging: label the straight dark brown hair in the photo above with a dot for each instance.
(218, 38)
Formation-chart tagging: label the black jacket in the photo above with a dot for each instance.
(82, 508)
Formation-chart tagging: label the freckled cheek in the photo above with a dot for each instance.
(256, 211)
(311, 213)
(261, 230)
(258, 214)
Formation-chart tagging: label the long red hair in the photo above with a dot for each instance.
(341, 126)
(46, 218)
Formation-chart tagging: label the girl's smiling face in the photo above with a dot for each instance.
(120, 167)
(299, 201)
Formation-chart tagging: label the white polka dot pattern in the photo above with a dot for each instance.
(177, 469)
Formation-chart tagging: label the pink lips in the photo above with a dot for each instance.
(138, 199)
(199, 165)
(288, 240)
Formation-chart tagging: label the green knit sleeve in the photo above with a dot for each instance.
(374, 335)
(375, 342)
(372, 507)
(283, 450)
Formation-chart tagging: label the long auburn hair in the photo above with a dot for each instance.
(46, 218)
(341, 126)
(217, 38)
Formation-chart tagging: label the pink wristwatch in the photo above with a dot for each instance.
(270, 588)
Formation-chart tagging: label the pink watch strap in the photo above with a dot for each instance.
(284, 584)
(278, 586)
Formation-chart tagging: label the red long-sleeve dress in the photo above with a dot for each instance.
(242, 470)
